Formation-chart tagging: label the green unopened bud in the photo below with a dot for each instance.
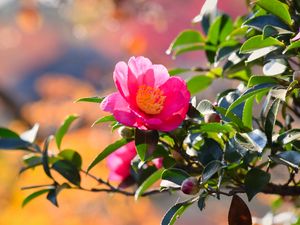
(126, 132)
(190, 186)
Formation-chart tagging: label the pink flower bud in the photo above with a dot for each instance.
(212, 118)
(190, 186)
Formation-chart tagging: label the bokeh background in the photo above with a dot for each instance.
(55, 51)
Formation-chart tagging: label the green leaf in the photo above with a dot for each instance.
(15, 144)
(188, 40)
(260, 88)
(71, 156)
(31, 161)
(218, 31)
(106, 152)
(198, 83)
(45, 158)
(239, 214)
(33, 196)
(216, 128)
(205, 107)
(175, 212)
(175, 175)
(148, 183)
(254, 80)
(109, 118)
(68, 171)
(177, 71)
(293, 45)
(6, 133)
(146, 142)
(258, 42)
(60, 133)
(247, 112)
(289, 136)
(288, 158)
(91, 99)
(271, 119)
(52, 197)
(260, 22)
(211, 169)
(277, 8)
(255, 181)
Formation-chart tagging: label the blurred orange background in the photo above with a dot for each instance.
(53, 52)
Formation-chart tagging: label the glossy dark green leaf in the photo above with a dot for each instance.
(289, 136)
(220, 28)
(205, 107)
(271, 119)
(277, 8)
(257, 89)
(60, 133)
(109, 118)
(198, 83)
(31, 161)
(288, 158)
(175, 212)
(106, 152)
(6, 133)
(68, 171)
(247, 112)
(255, 181)
(210, 170)
(258, 42)
(260, 22)
(30, 135)
(91, 99)
(52, 197)
(33, 196)
(201, 201)
(209, 151)
(239, 213)
(146, 142)
(45, 157)
(254, 80)
(72, 156)
(15, 144)
(216, 128)
(175, 175)
(148, 183)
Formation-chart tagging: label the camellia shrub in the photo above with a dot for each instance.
(200, 148)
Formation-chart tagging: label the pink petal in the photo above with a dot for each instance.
(297, 37)
(139, 65)
(161, 74)
(177, 96)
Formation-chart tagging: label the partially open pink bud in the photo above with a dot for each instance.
(296, 75)
(190, 186)
(212, 118)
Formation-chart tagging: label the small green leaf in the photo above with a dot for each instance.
(106, 152)
(288, 158)
(72, 156)
(63, 129)
(277, 8)
(175, 212)
(216, 128)
(198, 83)
(271, 119)
(239, 213)
(260, 22)
(68, 171)
(109, 118)
(254, 80)
(15, 144)
(6, 133)
(289, 136)
(146, 142)
(255, 181)
(148, 183)
(293, 45)
(247, 112)
(31, 161)
(175, 175)
(258, 42)
(177, 71)
(91, 99)
(188, 40)
(33, 196)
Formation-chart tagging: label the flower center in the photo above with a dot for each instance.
(150, 100)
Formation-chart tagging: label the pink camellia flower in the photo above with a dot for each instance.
(119, 162)
(147, 98)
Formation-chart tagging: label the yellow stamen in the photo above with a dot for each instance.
(150, 100)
